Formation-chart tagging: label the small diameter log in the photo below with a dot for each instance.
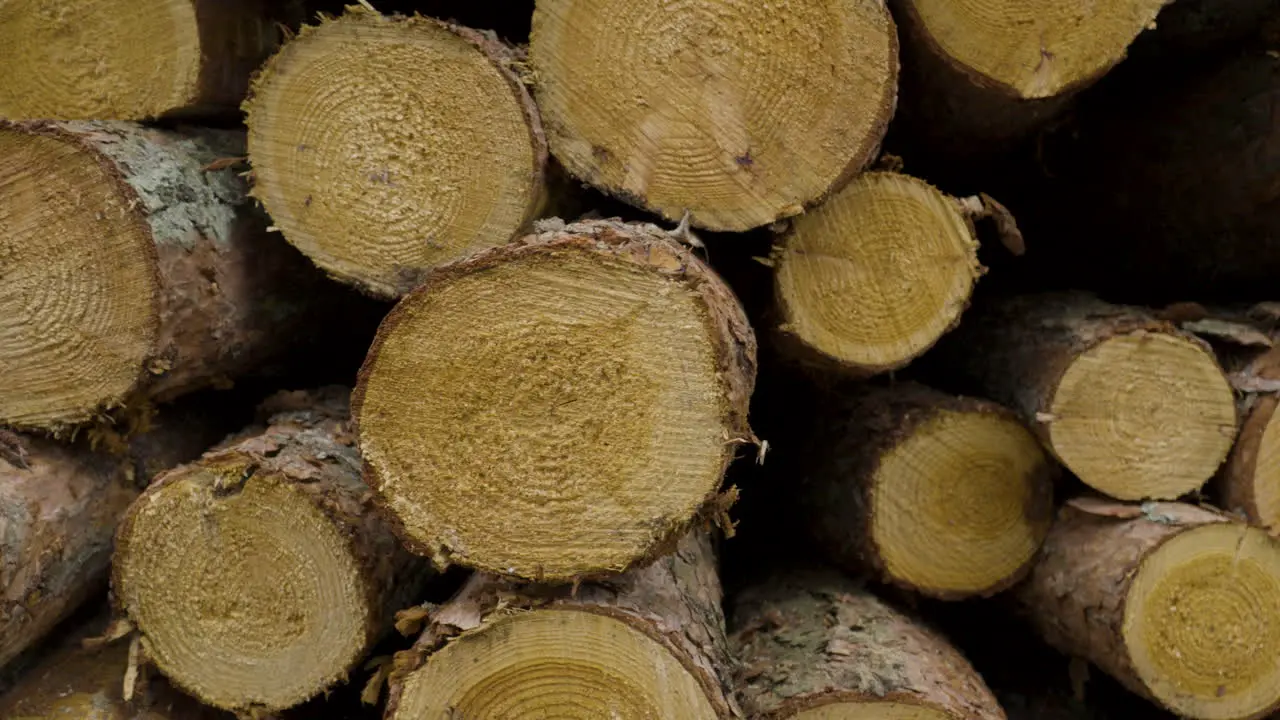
(815, 645)
(872, 278)
(131, 269)
(59, 509)
(947, 496)
(646, 644)
(1132, 405)
(74, 683)
(559, 407)
(121, 60)
(739, 113)
(1175, 601)
(383, 147)
(259, 576)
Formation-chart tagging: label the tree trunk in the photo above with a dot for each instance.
(947, 496)
(1132, 405)
(1175, 601)
(561, 407)
(112, 60)
(738, 114)
(871, 279)
(813, 641)
(133, 269)
(265, 553)
(649, 643)
(59, 508)
(448, 163)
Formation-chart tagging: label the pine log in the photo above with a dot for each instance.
(560, 407)
(871, 279)
(1132, 405)
(132, 269)
(116, 60)
(59, 508)
(646, 644)
(264, 555)
(814, 645)
(1175, 601)
(736, 113)
(947, 496)
(424, 147)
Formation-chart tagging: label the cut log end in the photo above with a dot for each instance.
(1251, 481)
(1033, 49)
(557, 408)
(568, 663)
(1199, 622)
(961, 505)
(873, 277)
(225, 581)
(1143, 415)
(70, 240)
(710, 107)
(384, 147)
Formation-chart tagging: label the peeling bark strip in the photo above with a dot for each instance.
(560, 407)
(814, 639)
(648, 643)
(132, 273)
(1176, 602)
(264, 553)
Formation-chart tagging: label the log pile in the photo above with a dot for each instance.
(684, 399)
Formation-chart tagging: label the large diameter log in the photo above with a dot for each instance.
(948, 496)
(1175, 601)
(1132, 405)
(739, 113)
(132, 269)
(259, 576)
(647, 644)
(559, 407)
(814, 645)
(59, 509)
(424, 148)
(114, 60)
(872, 278)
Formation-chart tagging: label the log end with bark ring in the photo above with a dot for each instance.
(1251, 479)
(738, 112)
(246, 596)
(383, 147)
(1200, 626)
(1032, 50)
(572, 664)
(873, 277)
(559, 407)
(78, 280)
(1143, 415)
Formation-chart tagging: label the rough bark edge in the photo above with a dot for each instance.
(887, 416)
(231, 451)
(57, 130)
(816, 361)
(866, 154)
(732, 339)
(509, 60)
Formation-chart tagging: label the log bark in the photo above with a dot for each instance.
(1175, 601)
(112, 60)
(265, 552)
(712, 109)
(375, 218)
(947, 496)
(135, 270)
(1135, 407)
(59, 508)
(812, 640)
(648, 643)
(634, 366)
